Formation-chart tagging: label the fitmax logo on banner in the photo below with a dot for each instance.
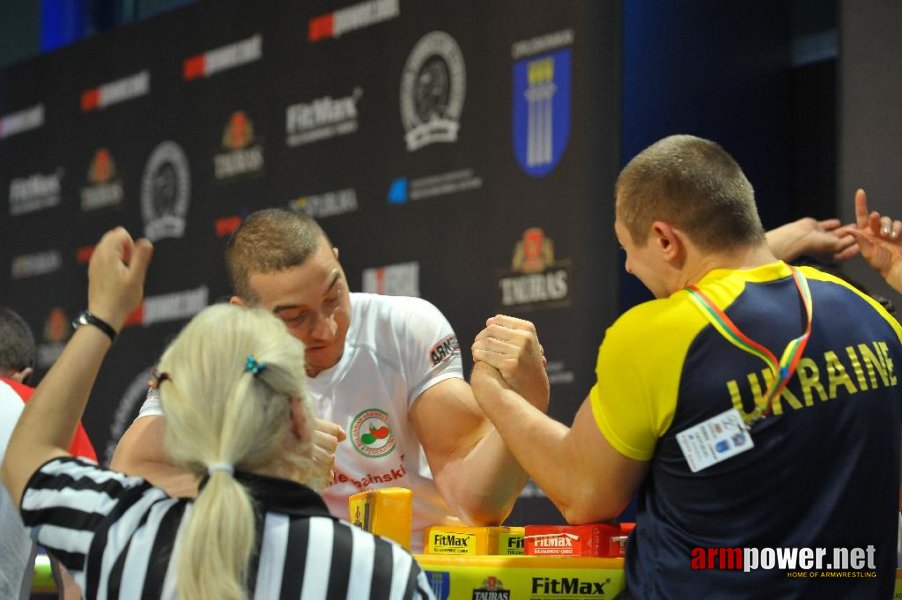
(35, 192)
(541, 101)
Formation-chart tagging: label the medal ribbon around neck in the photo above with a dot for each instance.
(782, 369)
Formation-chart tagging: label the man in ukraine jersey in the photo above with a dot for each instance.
(753, 406)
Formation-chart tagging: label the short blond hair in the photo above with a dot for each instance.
(269, 241)
(695, 185)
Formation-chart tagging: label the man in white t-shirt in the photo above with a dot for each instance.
(383, 371)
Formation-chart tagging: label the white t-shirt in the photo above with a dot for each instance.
(396, 348)
(16, 548)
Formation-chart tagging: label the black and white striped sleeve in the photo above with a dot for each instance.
(66, 503)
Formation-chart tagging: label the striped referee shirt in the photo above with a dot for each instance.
(116, 535)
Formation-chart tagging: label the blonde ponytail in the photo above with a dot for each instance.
(217, 542)
(230, 376)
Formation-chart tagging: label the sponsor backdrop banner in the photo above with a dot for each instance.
(463, 152)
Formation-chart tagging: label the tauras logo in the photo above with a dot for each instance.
(538, 287)
(491, 594)
(492, 589)
(240, 157)
(104, 189)
(57, 329)
(568, 586)
(35, 192)
(537, 279)
(238, 162)
(322, 118)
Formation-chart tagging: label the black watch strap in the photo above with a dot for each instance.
(87, 318)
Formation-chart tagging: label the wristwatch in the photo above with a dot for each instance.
(88, 318)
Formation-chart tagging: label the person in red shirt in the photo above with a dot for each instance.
(17, 359)
(81, 444)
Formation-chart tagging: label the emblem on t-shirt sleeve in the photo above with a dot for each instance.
(444, 349)
(371, 435)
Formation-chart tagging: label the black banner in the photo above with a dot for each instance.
(464, 152)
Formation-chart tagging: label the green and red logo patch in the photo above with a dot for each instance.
(371, 434)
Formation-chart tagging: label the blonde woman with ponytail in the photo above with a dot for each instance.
(232, 388)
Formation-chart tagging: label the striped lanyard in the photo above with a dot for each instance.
(782, 369)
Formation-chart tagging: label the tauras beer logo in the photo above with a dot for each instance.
(240, 156)
(492, 589)
(536, 279)
(57, 330)
(35, 192)
(104, 189)
(433, 87)
(322, 118)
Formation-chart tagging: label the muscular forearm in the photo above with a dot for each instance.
(535, 441)
(784, 242)
(141, 452)
(483, 485)
(586, 479)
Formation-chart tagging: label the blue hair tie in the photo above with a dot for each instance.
(253, 367)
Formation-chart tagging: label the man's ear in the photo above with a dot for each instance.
(335, 252)
(237, 301)
(668, 240)
(21, 376)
